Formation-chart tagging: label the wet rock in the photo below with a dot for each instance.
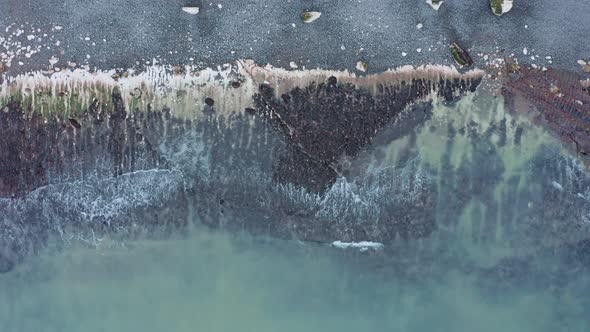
(332, 80)
(560, 99)
(75, 123)
(500, 7)
(461, 57)
(308, 17)
(321, 123)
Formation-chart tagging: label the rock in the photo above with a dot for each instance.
(332, 80)
(75, 123)
(500, 7)
(362, 66)
(460, 55)
(435, 4)
(309, 17)
(193, 10)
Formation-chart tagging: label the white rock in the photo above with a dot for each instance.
(419, 26)
(435, 6)
(506, 6)
(309, 17)
(362, 66)
(293, 65)
(525, 51)
(193, 10)
(581, 62)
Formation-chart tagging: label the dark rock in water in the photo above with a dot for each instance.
(234, 170)
(560, 97)
(209, 101)
(323, 123)
(75, 123)
(332, 80)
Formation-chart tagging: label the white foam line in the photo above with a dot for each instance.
(185, 93)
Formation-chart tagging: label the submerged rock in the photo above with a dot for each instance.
(560, 99)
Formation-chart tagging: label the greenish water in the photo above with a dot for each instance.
(488, 266)
(219, 282)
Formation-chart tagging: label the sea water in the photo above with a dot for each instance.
(213, 281)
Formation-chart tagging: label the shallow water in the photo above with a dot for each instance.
(491, 265)
(220, 282)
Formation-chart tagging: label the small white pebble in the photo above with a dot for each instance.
(190, 10)
(404, 53)
(534, 66)
(342, 47)
(293, 25)
(293, 65)
(419, 26)
(525, 51)
(418, 50)
(219, 6)
(581, 62)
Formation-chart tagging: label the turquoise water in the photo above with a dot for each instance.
(219, 282)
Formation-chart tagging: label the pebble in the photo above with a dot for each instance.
(191, 10)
